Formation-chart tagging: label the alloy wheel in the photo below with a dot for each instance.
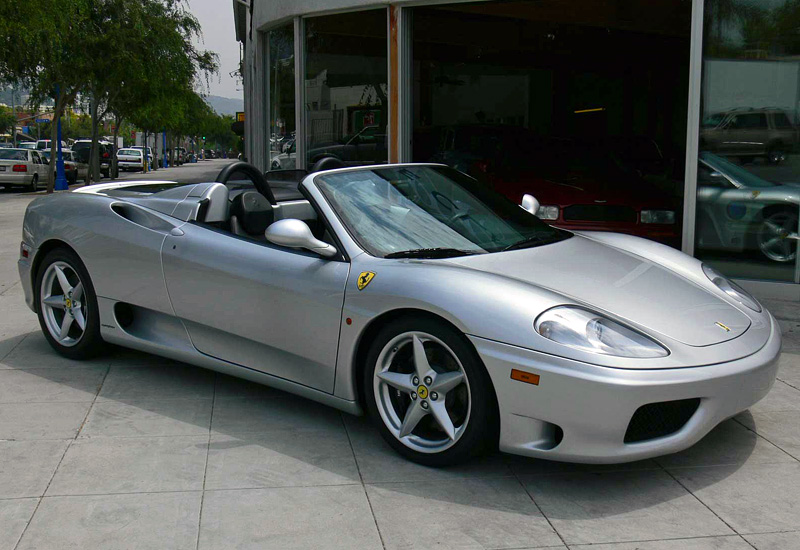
(777, 238)
(63, 307)
(422, 392)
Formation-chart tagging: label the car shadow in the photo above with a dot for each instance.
(600, 490)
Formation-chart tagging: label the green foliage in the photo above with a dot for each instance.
(7, 120)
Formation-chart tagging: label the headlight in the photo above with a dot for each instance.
(587, 331)
(547, 213)
(658, 216)
(732, 289)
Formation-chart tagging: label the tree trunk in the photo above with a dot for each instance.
(117, 124)
(58, 110)
(94, 151)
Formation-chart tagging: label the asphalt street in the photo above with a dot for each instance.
(131, 451)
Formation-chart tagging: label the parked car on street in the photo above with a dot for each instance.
(149, 153)
(73, 168)
(459, 321)
(26, 145)
(130, 159)
(738, 211)
(44, 145)
(749, 133)
(22, 168)
(82, 148)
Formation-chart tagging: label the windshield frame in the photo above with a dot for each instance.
(557, 234)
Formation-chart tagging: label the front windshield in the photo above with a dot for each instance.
(734, 172)
(429, 210)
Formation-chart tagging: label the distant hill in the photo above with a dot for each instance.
(225, 105)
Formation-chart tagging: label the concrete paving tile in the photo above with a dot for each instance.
(775, 541)
(131, 464)
(467, 513)
(782, 397)
(780, 428)
(380, 463)
(115, 522)
(280, 460)
(7, 345)
(51, 385)
(230, 387)
(148, 418)
(753, 498)
(42, 420)
(621, 507)
(35, 353)
(14, 516)
(790, 331)
(289, 518)
(728, 443)
(157, 382)
(233, 416)
(521, 465)
(26, 467)
(789, 369)
(732, 542)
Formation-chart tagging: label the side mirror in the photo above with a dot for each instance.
(530, 203)
(293, 233)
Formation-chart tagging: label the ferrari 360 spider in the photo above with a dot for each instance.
(457, 320)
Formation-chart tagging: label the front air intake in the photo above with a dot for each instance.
(660, 419)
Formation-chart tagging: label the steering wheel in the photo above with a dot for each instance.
(253, 173)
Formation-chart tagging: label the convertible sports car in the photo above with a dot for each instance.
(457, 319)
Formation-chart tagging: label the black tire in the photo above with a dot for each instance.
(480, 434)
(90, 343)
(34, 186)
(73, 180)
(776, 154)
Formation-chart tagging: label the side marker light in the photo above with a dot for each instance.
(527, 377)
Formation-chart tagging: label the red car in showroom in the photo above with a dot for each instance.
(580, 185)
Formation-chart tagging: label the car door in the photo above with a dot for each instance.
(39, 167)
(267, 308)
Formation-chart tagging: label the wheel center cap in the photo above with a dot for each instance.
(422, 392)
(68, 303)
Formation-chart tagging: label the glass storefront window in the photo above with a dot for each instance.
(748, 169)
(346, 103)
(582, 104)
(281, 102)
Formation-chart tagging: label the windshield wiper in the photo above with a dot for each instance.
(431, 253)
(534, 240)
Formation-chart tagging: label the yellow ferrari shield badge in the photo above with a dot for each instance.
(364, 279)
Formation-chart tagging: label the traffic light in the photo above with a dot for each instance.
(204, 138)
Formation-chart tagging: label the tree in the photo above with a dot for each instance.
(148, 57)
(7, 120)
(44, 47)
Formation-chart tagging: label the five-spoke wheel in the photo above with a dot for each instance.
(777, 237)
(428, 393)
(67, 305)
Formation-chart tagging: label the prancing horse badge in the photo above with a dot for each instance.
(364, 279)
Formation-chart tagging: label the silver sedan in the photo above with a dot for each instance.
(457, 320)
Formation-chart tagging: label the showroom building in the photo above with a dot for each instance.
(674, 120)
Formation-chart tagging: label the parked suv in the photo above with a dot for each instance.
(749, 133)
(82, 147)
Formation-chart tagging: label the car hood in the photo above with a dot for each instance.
(623, 285)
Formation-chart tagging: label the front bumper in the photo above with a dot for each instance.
(592, 406)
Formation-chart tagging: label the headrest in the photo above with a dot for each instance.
(253, 211)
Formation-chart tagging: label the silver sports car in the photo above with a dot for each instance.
(459, 321)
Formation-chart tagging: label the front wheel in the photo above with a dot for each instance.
(428, 393)
(777, 236)
(67, 305)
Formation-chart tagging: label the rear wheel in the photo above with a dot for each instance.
(776, 236)
(34, 185)
(776, 154)
(67, 305)
(428, 393)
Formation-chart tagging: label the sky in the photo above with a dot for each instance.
(216, 17)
